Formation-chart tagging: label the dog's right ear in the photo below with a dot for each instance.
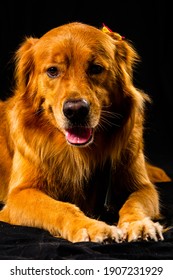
(24, 62)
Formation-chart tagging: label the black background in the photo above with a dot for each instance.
(148, 24)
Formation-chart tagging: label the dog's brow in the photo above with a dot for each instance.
(59, 58)
(100, 50)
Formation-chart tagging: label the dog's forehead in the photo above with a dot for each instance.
(79, 37)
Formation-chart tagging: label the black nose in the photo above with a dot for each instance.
(76, 110)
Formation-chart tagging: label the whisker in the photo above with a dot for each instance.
(101, 126)
(107, 119)
(111, 114)
(108, 123)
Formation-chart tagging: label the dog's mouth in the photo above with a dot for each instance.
(79, 135)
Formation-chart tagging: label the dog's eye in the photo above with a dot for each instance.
(95, 69)
(53, 72)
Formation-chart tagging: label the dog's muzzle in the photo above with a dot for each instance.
(76, 112)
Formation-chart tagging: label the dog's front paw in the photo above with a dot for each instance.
(93, 230)
(144, 229)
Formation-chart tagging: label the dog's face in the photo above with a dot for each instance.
(78, 78)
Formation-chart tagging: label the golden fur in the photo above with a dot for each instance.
(74, 116)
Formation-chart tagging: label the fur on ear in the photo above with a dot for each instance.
(125, 54)
(126, 58)
(124, 50)
(24, 61)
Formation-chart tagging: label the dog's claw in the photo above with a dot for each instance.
(142, 230)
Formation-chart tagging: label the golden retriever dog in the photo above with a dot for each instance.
(71, 139)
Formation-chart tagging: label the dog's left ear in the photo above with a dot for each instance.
(126, 54)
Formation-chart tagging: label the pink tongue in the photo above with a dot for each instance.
(78, 135)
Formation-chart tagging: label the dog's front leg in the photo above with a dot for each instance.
(137, 214)
(31, 207)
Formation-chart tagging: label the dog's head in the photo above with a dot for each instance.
(79, 79)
